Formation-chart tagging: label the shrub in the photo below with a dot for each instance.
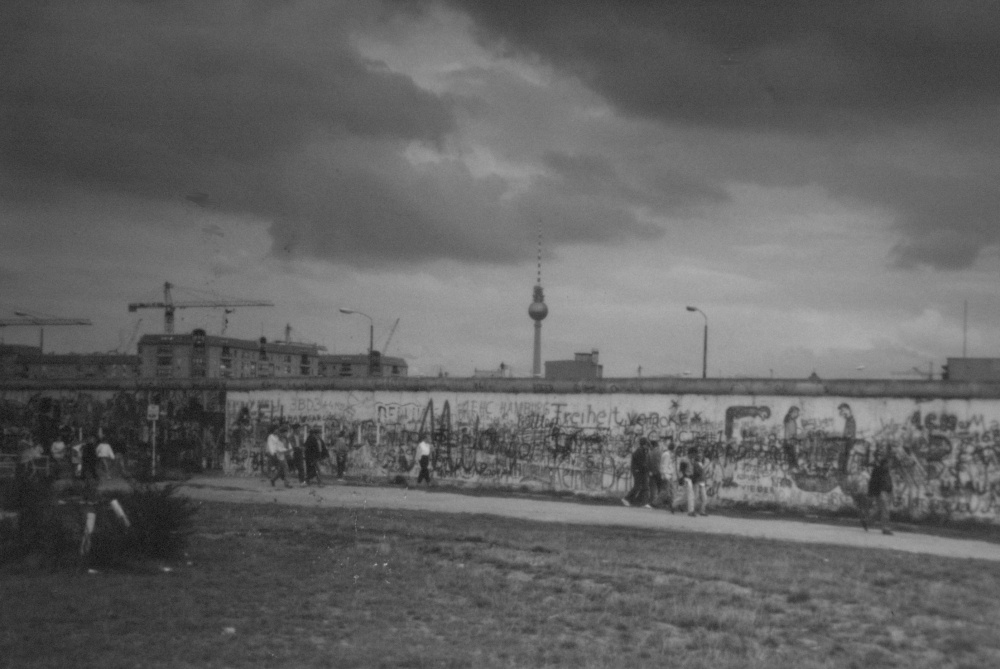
(42, 528)
(50, 525)
(161, 523)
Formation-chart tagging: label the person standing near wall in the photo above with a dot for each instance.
(879, 492)
(668, 473)
(655, 478)
(639, 494)
(88, 459)
(277, 453)
(699, 483)
(850, 434)
(684, 480)
(341, 448)
(423, 457)
(106, 455)
(314, 452)
(298, 451)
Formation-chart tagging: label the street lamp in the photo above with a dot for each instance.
(371, 328)
(704, 348)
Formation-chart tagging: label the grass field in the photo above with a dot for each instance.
(277, 586)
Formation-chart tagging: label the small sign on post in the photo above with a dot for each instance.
(152, 415)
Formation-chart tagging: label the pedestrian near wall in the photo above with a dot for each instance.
(699, 484)
(639, 494)
(298, 451)
(315, 450)
(106, 455)
(684, 467)
(668, 473)
(277, 453)
(655, 478)
(879, 493)
(423, 457)
(88, 459)
(341, 448)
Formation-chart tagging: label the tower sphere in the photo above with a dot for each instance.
(538, 310)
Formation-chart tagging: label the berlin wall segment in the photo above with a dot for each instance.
(787, 442)
(190, 432)
(812, 451)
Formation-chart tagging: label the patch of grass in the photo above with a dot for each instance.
(269, 585)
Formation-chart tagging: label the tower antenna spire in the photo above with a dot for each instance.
(539, 257)
(538, 311)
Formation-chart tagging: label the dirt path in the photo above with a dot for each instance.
(554, 511)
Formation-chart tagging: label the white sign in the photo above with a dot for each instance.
(152, 412)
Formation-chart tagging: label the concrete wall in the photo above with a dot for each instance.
(792, 449)
(573, 435)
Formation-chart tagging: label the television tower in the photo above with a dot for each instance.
(538, 311)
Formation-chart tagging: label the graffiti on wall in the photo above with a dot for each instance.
(785, 450)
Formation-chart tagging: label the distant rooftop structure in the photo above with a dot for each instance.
(502, 372)
(582, 367)
(200, 355)
(972, 369)
(28, 362)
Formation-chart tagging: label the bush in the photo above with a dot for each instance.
(161, 523)
(43, 529)
(50, 525)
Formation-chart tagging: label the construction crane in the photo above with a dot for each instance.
(124, 348)
(30, 320)
(389, 338)
(169, 306)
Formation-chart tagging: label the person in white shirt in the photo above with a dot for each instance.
(58, 452)
(106, 455)
(277, 451)
(424, 458)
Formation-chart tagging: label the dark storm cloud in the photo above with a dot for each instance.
(172, 98)
(779, 65)
(825, 71)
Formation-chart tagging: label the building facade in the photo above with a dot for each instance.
(199, 355)
(354, 365)
(582, 367)
(28, 362)
(972, 369)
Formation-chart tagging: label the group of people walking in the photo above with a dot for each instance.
(91, 458)
(660, 476)
(303, 449)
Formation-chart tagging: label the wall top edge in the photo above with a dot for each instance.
(775, 387)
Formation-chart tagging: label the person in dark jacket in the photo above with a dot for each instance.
(89, 460)
(315, 450)
(879, 493)
(639, 494)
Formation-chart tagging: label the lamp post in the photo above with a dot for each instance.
(371, 329)
(704, 347)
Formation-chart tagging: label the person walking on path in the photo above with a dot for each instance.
(423, 457)
(879, 493)
(656, 483)
(89, 460)
(639, 494)
(699, 484)
(297, 448)
(341, 447)
(315, 450)
(668, 475)
(277, 453)
(684, 469)
(106, 455)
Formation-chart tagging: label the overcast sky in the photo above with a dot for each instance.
(821, 179)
